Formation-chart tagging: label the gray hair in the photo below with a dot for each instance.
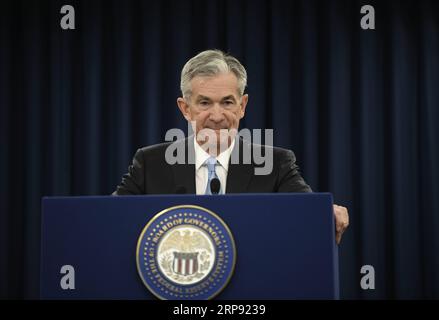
(210, 63)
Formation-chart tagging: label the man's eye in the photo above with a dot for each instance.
(204, 103)
(228, 102)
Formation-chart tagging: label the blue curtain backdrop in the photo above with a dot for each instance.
(359, 108)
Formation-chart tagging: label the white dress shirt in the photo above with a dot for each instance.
(201, 174)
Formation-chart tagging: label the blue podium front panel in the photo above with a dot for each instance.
(285, 244)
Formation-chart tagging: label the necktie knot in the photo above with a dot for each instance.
(211, 163)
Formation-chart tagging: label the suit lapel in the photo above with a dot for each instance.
(239, 175)
(184, 174)
(184, 178)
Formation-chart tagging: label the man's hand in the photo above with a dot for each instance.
(341, 221)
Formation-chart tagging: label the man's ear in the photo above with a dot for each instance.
(184, 108)
(244, 100)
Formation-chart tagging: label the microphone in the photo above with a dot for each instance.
(215, 186)
(180, 190)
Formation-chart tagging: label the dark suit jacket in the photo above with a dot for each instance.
(151, 174)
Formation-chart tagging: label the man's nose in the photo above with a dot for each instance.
(216, 113)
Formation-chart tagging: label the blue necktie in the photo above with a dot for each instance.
(211, 163)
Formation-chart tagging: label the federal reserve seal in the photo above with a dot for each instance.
(186, 252)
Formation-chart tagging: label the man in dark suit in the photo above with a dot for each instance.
(213, 101)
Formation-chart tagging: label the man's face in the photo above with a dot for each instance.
(215, 104)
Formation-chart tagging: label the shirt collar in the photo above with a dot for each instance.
(201, 156)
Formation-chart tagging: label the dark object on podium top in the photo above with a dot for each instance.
(215, 185)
